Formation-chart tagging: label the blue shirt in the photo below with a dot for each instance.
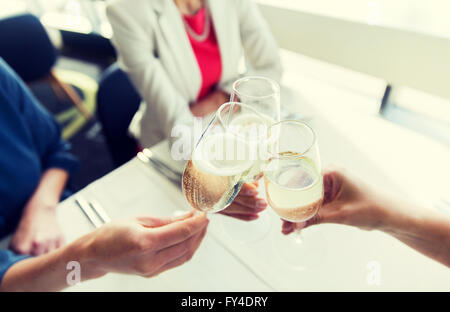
(30, 143)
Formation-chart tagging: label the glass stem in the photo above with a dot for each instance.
(297, 235)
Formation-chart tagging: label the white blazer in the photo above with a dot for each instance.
(155, 51)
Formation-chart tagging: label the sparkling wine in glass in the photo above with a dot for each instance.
(295, 189)
(263, 96)
(293, 179)
(221, 162)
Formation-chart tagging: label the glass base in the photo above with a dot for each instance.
(247, 231)
(301, 250)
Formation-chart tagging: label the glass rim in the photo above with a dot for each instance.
(300, 123)
(218, 116)
(269, 80)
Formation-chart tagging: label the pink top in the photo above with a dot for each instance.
(206, 52)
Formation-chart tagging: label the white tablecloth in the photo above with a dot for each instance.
(382, 153)
(226, 262)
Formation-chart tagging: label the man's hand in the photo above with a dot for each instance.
(144, 246)
(346, 201)
(38, 231)
(247, 204)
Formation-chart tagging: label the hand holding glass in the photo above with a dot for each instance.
(223, 159)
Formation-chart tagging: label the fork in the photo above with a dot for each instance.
(93, 211)
(147, 157)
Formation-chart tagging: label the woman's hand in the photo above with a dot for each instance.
(144, 246)
(209, 104)
(247, 204)
(350, 201)
(346, 201)
(38, 231)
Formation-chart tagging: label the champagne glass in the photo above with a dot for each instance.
(221, 160)
(293, 180)
(261, 93)
(263, 96)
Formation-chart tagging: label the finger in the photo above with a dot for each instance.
(56, 243)
(330, 213)
(248, 217)
(23, 249)
(332, 184)
(152, 222)
(317, 219)
(183, 258)
(173, 264)
(249, 189)
(251, 202)
(51, 245)
(327, 214)
(38, 249)
(169, 254)
(178, 231)
(235, 208)
(60, 242)
(289, 227)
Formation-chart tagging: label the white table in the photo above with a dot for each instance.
(225, 263)
(136, 189)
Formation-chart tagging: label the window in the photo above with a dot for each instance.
(83, 16)
(399, 27)
(423, 16)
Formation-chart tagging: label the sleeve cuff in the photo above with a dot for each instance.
(62, 160)
(7, 260)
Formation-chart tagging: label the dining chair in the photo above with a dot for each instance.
(27, 48)
(117, 102)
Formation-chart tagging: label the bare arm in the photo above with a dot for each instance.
(51, 186)
(350, 201)
(144, 246)
(44, 273)
(426, 231)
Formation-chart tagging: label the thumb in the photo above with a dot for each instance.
(332, 184)
(289, 227)
(152, 222)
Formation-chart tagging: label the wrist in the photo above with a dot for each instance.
(396, 219)
(42, 203)
(83, 251)
(48, 201)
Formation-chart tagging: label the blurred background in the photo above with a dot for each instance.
(382, 58)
